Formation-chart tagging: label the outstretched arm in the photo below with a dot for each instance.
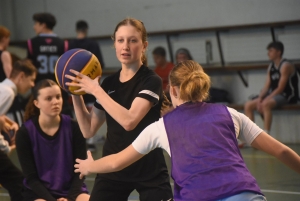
(111, 163)
(268, 144)
(152, 136)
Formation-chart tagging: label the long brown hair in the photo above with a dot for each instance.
(139, 25)
(31, 110)
(192, 81)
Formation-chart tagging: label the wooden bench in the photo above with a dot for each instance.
(285, 107)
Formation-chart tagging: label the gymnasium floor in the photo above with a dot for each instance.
(277, 182)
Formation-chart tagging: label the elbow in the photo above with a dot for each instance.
(129, 125)
(283, 152)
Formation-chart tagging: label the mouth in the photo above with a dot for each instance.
(126, 55)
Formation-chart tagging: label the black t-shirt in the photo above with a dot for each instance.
(145, 84)
(44, 50)
(2, 73)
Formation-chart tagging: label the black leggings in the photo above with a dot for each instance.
(11, 178)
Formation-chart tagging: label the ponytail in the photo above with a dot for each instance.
(192, 81)
(194, 87)
(31, 110)
(144, 60)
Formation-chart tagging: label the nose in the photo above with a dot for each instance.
(126, 45)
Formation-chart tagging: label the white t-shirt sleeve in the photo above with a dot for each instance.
(6, 99)
(153, 136)
(244, 126)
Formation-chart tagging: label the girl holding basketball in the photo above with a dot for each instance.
(47, 145)
(128, 101)
(206, 162)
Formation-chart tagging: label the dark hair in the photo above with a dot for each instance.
(276, 45)
(23, 65)
(82, 26)
(184, 51)
(46, 18)
(192, 81)
(159, 51)
(139, 25)
(31, 110)
(4, 32)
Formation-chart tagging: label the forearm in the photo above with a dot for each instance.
(270, 145)
(263, 93)
(83, 116)
(275, 92)
(290, 159)
(115, 162)
(123, 116)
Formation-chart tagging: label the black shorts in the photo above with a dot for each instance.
(156, 189)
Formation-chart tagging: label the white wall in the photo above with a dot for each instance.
(157, 15)
(240, 46)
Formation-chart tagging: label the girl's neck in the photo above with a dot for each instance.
(49, 124)
(128, 71)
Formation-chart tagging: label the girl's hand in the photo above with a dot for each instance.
(85, 83)
(83, 165)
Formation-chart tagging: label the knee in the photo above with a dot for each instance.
(249, 106)
(266, 106)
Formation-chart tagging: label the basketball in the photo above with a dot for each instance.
(80, 60)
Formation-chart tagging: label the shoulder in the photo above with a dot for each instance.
(148, 74)
(111, 78)
(287, 67)
(21, 134)
(5, 55)
(6, 90)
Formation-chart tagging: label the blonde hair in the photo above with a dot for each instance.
(139, 25)
(192, 81)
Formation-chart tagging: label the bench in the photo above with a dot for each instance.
(285, 107)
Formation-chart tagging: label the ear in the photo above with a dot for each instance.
(173, 91)
(36, 103)
(145, 46)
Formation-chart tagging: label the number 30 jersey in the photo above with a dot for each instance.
(44, 50)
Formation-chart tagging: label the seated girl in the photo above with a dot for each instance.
(47, 145)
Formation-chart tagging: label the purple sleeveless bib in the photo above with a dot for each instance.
(206, 162)
(53, 158)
